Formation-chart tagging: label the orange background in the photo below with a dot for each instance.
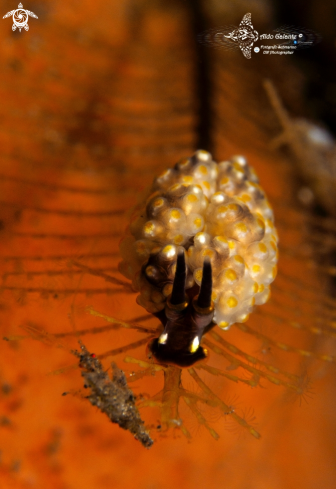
(96, 98)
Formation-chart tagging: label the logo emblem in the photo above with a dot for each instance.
(285, 40)
(245, 35)
(20, 18)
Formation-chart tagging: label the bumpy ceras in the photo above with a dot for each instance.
(209, 210)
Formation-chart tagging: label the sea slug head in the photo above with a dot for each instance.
(185, 320)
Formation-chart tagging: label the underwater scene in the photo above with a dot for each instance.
(168, 236)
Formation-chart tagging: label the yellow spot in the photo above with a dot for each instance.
(261, 223)
(223, 324)
(252, 301)
(192, 198)
(168, 251)
(178, 239)
(214, 296)
(158, 203)
(231, 275)
(149, 227)
(203, 169)
(239, 259)
(241, 227)
(232, 245)
(208, 253)
(200, 238)
(270, 223)
(261, 288)
(255, 287)
(187, 179)
(150, 271)
(263, 247)
(222, 239)
(232, 302)
(233, 207)
(246, 198)
(274, 271)
(224, 181)
(198, 275)
(175, 214)
(222, 209)
(198, 222)
(244, 318)
(273, 245)
(206, 185)
(256, 268)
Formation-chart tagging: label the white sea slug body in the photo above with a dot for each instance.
(216, 218)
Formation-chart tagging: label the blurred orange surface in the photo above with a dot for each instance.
(96, 99)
